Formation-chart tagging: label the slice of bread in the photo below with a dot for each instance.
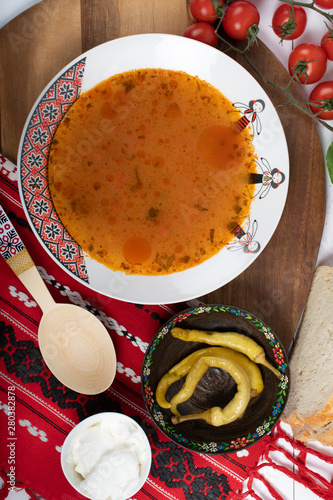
(310, 403)
(307, 433)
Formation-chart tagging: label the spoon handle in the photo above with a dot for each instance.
(18, 258)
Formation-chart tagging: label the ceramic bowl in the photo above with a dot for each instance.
(167, 52)
(118, 424)
(262, 412)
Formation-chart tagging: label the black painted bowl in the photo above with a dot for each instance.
(263, 411)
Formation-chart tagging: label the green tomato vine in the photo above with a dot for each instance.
(226, 46)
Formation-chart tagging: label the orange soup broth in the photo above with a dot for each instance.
(148, 172)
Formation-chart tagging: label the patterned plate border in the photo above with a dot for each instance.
(44, 120)
(241, 442)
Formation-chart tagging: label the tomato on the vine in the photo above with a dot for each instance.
(327, 45)
(204, 10)
(203, 32)
(239, 17)
(322, 98)
(324, 4)
(307, 62)
(289, 23)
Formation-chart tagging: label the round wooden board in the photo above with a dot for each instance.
(42, 40)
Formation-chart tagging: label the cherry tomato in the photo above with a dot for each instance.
(239, 17)
(315, 58)
(327, 44)
(323, 92)
(288, 25)
(203, 32)
(203, 10)
(324, 4)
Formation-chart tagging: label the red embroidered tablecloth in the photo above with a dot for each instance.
(37, 411)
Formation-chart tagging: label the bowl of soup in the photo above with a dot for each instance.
(148, 178)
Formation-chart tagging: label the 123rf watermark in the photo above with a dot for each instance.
(11, 437)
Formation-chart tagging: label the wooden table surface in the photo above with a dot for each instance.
(42, 40)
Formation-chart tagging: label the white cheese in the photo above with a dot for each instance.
(113, 476)
(108, 458)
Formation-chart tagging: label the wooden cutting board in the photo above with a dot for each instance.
(42, 40)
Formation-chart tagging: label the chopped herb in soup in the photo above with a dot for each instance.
(148, 172)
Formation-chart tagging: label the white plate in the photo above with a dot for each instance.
(167, 52)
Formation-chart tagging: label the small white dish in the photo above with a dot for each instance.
(130, 437)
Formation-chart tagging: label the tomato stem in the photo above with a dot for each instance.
(288, 28)
(252, 33)
(323, 105)
(312, 6)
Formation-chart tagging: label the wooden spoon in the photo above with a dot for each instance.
(75, 345)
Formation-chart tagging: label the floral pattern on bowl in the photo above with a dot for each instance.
(255, 424)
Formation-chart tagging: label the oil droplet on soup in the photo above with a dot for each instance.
(221, 146)
(136, 250)
(148, 172)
